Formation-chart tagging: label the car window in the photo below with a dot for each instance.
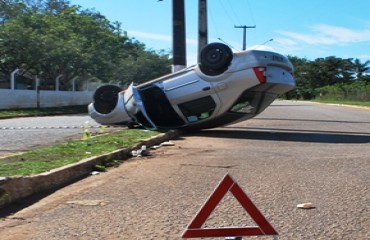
(243, 103)
(252, 102)
(198, 109)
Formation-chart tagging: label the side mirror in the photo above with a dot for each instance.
(215, 58)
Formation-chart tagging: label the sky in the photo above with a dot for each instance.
(304, 28)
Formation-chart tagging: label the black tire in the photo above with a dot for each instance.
(105, 98)
(215, 58)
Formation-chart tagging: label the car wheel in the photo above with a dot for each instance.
(105, 98)
(215, 58)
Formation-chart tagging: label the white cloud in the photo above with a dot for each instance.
(363, 57)
(192, 41)
(192, 58)
(157, 40)
(261, 47)
(159, 37)
(344, 35)
(153, 36)
(328, 35)
(285, 41)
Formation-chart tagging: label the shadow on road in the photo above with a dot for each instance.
(13, 208)
(309, 120)
(286, 135)
(20, 204)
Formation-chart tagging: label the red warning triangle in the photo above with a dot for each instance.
(195, 229)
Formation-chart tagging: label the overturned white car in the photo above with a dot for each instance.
(224, 88)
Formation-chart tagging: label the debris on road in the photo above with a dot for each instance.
(145, 152)
(141, 152)
(89, 202)
(167, 144)
(307, 205)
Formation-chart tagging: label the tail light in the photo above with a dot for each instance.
(260, 73)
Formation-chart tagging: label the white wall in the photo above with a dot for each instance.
(10, 99)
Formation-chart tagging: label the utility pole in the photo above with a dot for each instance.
(202, 25)
(244, 33)
(178, 35)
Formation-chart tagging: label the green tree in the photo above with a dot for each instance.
(332, 70)
(312, 75)
(139, 65)
(10, 9)
(305, 78)
(54, 38)
(361, 68)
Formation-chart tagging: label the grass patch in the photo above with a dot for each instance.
(26, 112)
(72, 151)
(346, 102)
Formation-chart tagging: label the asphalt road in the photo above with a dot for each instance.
(22, 134)
(292, 153)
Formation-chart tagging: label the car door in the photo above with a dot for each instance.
(192, 97)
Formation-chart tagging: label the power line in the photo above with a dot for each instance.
(226, 11)
(251, 12)
(232, 9)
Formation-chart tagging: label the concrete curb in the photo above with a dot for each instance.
(17, 188)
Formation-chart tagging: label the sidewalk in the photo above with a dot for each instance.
(15, 188)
